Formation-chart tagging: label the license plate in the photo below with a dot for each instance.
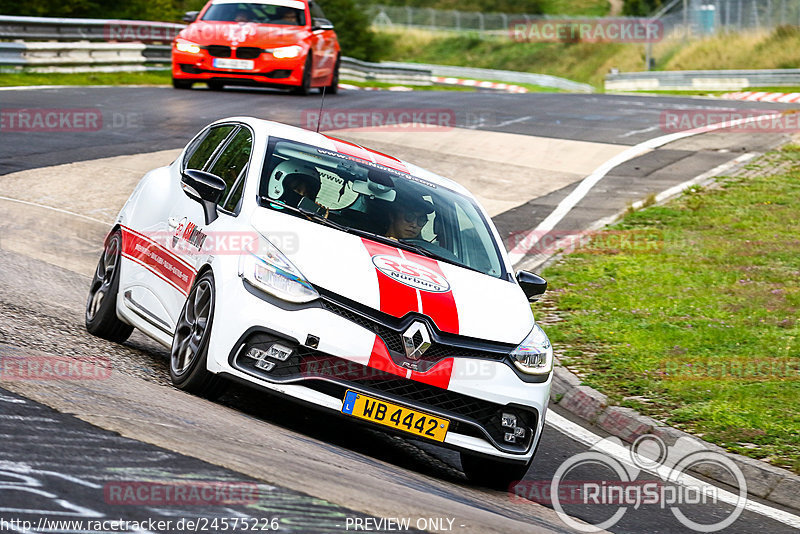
(395, 416)
(239, 64)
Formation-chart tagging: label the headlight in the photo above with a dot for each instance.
(534, 355)
(266, 268)
(286, 52)
(186, 46)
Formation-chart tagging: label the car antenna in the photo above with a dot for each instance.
(322, 103)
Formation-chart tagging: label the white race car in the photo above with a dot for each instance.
(337, 276)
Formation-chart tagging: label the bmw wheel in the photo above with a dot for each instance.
(182, 84)
(101, 306)
(305, 86)
(333, 88)
(189, 353)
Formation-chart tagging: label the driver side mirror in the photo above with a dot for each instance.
(205, 188)
(190, 16)
(532, 285)
(321, 24)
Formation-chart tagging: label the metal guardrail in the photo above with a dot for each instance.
(703, 80)
(363, 71)
(60, 29)
(508, 76)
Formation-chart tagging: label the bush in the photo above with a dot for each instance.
(353, 29)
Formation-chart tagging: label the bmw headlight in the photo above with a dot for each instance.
(266, 268)
(534, 355)
(186, 46)
(286, 52)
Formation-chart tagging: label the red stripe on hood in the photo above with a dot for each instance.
(381, 360)
(440, 307)
(438, 376)
(396, 299)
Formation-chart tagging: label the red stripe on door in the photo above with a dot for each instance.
(157, 259)
(441, 307)
(396, 299)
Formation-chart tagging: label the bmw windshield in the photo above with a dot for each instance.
(289, 13)
(374, 200)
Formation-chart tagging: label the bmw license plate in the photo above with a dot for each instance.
(395, 416)
(238, 64)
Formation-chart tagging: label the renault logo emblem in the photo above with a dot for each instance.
(416, 340)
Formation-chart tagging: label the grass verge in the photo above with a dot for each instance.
(86, 78)
(702, 332)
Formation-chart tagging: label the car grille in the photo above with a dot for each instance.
(393, 338)
(248, 52)
(219, 50)
(333, 375)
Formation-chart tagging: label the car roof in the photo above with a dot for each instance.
(293, 133)
(297, 4)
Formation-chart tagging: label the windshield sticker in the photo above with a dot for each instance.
(411, 274)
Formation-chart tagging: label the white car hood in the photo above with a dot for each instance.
(396, 281)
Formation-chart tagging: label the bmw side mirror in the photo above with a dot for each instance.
(190, 16)
(532, 285)
(205, 188)
(321, 24)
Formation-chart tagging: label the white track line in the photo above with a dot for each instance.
(582, 435)
(586, 185)
(59, 210)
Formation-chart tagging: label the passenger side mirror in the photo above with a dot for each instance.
(205, 188)
(532, 285)
(321, 24)
(190, 16)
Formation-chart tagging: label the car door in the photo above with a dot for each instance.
(323, 44)
(225, 152)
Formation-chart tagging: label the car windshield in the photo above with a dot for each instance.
(376, 201)
(259, 13)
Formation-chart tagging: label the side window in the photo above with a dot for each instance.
(205, 149)
(316, 11)
(230, 165)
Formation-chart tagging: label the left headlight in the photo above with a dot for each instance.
(266, 268)
(534, 355)
(186, 46)
(286, 52)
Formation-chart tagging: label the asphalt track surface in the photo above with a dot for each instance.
(50, 459)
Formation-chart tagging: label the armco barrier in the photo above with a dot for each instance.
(702, 80)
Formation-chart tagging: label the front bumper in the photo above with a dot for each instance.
(331, 354)
(267, 70)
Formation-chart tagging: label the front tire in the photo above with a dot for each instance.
(333, 88)
(101, 306)
(181, 84)
(492, 473)
(305, 86)
(189, 354)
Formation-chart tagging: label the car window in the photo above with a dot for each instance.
(205, 149)
(230, 165)
(258, 13)
(368, 198)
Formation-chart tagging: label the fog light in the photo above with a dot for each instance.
(511, 438)
(519, 432)
(508, 420)
(279, 352)
(265, 365)
(256, 354)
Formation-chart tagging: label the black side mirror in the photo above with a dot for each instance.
(190, 16)
(321, 24)
(532, 285)
(206, 188)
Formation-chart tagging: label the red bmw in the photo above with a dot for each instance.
(270, 43)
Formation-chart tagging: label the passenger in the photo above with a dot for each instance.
(407, 216)
(297, 186)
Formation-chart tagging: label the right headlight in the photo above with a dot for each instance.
(535, 354)
(266, 268)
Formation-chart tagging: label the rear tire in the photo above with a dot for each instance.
(101, 306)
(492, 473)
(189, 354)
(182, 84)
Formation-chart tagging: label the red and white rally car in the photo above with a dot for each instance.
(338, 276)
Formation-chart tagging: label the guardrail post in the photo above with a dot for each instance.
(482, 22)
(458, 19)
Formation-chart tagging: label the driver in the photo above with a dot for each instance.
(407, 215)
